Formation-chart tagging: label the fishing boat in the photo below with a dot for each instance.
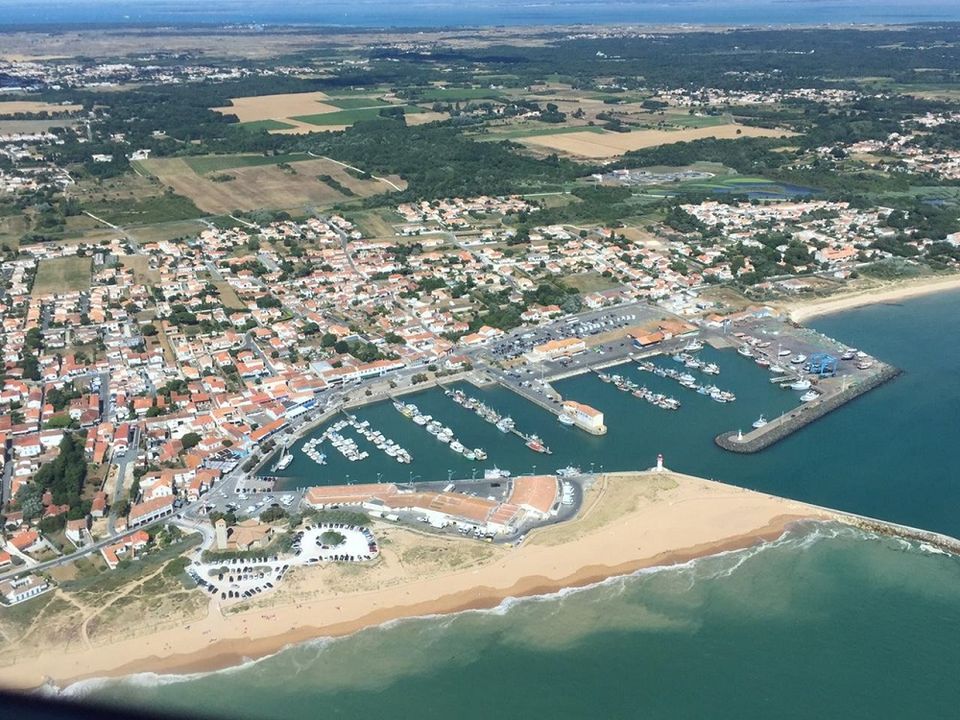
(745, 351)
(810, 396)
(565, 419)
(569, 471)
(711, 369)
(456, 446)
(849, 355)
(762, 362)
(536, 444)
(495, 473)
(505, 425)
(784, 353)
(693, 346)
(604, 377)
(798, 359)
(865, 364)
(801, 384)
(760, 422)
(480, 453)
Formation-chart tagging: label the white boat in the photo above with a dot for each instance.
(745, 351)
(694, 346)
(283, 463)
(798, 359)
(783, 353)
(810, 396)
(456, 446)
(711, 369)
(495, 473)
(760, 422)
(802, 384)
(480, 453)
(505, 425)
(565, 419)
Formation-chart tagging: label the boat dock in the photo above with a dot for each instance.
(788, 423)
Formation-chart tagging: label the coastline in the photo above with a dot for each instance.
(630, 522)
(802, 311)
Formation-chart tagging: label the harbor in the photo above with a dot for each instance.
(707, 396)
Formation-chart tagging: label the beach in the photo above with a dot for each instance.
(804, 310)
(630, 521)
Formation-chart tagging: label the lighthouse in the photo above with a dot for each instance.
(659, 467)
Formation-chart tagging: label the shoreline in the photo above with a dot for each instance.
(630, 522)
(801, 311)
(217, 659)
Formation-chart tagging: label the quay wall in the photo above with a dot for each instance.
(764, 438)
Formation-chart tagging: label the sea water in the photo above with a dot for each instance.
(890, 454)
(827, 621)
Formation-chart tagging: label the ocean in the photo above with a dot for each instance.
(827, 621)
(446, 13)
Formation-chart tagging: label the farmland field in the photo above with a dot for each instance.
(273, 107)
(611, 144)
(12, 107)
(348, 117)
(259, 185)
(455, 94)
(62, 274)
(353, 103)
(203, 164)
(540, 130)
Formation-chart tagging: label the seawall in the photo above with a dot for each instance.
(793, 421)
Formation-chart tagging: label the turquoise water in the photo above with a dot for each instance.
(826, 622)
(888, 454)
(829, 623)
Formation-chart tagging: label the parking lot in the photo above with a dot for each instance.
(243, 578)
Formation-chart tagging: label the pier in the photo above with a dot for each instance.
(790, 422)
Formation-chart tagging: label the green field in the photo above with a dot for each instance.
(541, 130)
(349, 117)
(203, 164)
(355, 103)
(697, 121)
(453, 94)
(266, 125)
(146, 211)
(63, 274)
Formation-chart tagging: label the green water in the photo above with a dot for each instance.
(827, 622)
(811, 626)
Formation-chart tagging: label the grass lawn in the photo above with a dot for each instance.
(228, 296)
(589, 282)
(63, 274)
(203, 164)
(266, 125)
(348, 117)
(376, 223)
(356, 102)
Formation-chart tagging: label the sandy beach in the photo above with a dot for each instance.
(804, 310)
(630, 521)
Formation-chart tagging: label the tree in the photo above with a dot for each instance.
(29, 499)
(190, 440)
(332, 538)
(149, 330)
